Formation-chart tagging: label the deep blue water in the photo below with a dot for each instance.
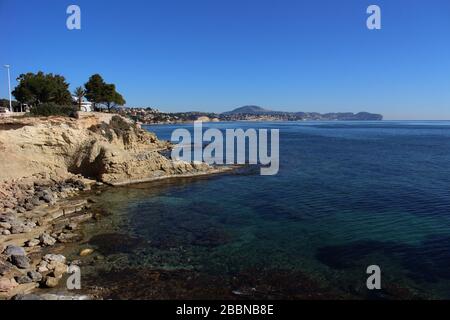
(347, 195)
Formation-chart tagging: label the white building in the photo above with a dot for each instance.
(86, 106)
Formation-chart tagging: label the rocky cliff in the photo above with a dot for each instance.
(99, 147)
(102, 147)
(43, 162)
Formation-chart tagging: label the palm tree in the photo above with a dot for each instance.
(79, 93)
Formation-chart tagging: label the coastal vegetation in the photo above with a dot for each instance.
(48, 94)
(79, 94)
(101, 93)
(35, 89)
(52, 109)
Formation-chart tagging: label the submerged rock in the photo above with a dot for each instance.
(86, 252)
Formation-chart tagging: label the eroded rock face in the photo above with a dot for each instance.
(111, 150)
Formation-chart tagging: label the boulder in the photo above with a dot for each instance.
(34, 276)
(47, 240)
(59, 269)
(33, 242)
(51, 282)
(14, 250)
(23, 279)
(54, 257)
(21, 262)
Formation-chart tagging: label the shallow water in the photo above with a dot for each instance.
(348, 195)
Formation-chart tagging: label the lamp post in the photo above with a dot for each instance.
(9, 87)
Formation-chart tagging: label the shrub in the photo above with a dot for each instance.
(52, 109)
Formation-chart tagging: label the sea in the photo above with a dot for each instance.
(348, 195)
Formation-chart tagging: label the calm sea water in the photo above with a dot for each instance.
(348, 195)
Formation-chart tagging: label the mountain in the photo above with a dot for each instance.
(259, 113)
(248, 110)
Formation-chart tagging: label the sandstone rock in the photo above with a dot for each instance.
(30, 224)
(33, 243)
(42, 269)
(7, 284)
(47, 240)
(54, 257)
(5, 225)
(51, 282)
(20, 228)
(59, 269)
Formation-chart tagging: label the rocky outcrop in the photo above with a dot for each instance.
(111, 150)
(45, 160)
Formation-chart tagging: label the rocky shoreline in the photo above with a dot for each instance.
(42, 216)
(46, 164)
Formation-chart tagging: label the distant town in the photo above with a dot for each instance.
(41, 94)
(247, 113)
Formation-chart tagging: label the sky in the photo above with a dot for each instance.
(216, 55)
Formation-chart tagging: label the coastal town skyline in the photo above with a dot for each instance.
(214, 57)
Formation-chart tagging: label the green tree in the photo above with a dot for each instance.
(79, 93)
(112, 98)
(35, 89)
(95, 90)
(99, 92)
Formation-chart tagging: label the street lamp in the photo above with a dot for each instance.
(9, 87)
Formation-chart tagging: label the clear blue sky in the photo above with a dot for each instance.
(215, 55)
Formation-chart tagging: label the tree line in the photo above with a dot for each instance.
(36, 89)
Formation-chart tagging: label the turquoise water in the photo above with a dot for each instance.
(347, 195)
